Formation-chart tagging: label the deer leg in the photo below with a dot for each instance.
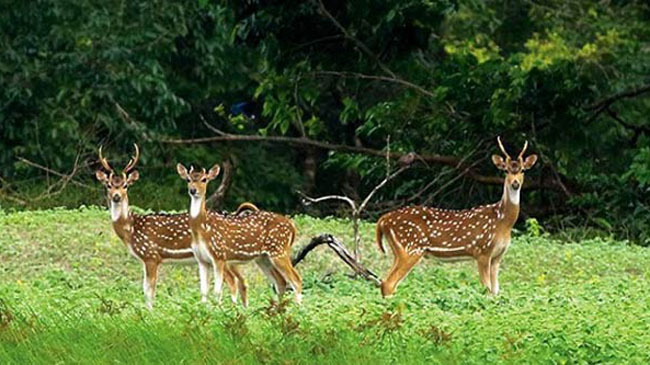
(241, 286)
(494, 274)
(276, 278)
(204, 270)
(401, 267)
(284, 267)
(231, 281)
(219, 268)
(483, 263)
(149, 282)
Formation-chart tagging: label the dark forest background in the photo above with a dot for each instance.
(324, 88)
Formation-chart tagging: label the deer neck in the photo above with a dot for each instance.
(198, 214)
(122, 220)
(510, 205)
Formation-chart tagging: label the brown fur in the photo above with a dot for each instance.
(259, 236)
(481, 233)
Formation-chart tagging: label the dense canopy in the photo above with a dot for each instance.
(339, 80)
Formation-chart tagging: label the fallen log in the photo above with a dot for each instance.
(341, 252)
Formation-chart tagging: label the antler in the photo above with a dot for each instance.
(521, 154)
(502, 148)
(133, 161)
(103, 161)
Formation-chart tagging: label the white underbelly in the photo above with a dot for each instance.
(183, 261)
(451, 258)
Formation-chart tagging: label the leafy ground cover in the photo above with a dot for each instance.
(69, 292)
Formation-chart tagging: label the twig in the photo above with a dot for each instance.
(354, 39)
(53, 172)
(602, 105)
(309, 200)
(217, 198)
(211, 127)
(395, 80)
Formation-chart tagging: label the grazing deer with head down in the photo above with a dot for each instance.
(259, 236)
(481, 233)
(154, 238)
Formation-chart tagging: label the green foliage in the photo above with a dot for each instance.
(439, 77)
(70, 292)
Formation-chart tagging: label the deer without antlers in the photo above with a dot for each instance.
(259, 236)
(481, 233)
(153, 238)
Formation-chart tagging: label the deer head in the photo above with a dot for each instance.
(197, 183)
(514, 169)
(117, 184)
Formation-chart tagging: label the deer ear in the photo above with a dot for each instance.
(499, 162)
(133, 177)
(101, 176)
(530, 161)
(214, 172)
(182, 171)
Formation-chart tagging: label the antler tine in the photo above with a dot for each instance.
(521, 154)
(191, 169)
(502, 148)
(104, 162)
(134, 160)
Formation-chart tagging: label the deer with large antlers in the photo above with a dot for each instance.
(481, 233)
(155, 238)
(263, 237)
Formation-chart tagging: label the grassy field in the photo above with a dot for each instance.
(70, 293)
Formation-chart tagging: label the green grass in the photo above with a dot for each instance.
(70, 293)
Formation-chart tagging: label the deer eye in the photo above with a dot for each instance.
(188, 180)
(205, 179)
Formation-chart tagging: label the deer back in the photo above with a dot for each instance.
(442, 232)
(245, 237)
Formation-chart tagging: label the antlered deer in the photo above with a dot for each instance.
(481, 233)
(154, 238)
(259, 236)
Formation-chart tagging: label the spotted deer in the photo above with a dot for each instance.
(154, 238)
(263, 237)
(481, 233)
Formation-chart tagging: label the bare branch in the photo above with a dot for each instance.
(630, 93)
(217, 198)
(343, 254)
(211, 127)
(306, 200)
(446, 160)
(395, 80)
(379, 186)
(354, 39)
(602, 105)
(53, 172)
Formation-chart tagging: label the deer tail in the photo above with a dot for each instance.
(246, 206)
(379, 235)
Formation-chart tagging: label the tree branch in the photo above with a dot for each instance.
(606, 102)
(602, 105)
(452, 161)
(348, 35)
(395, 80)
(217, 198)
(67, 178)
